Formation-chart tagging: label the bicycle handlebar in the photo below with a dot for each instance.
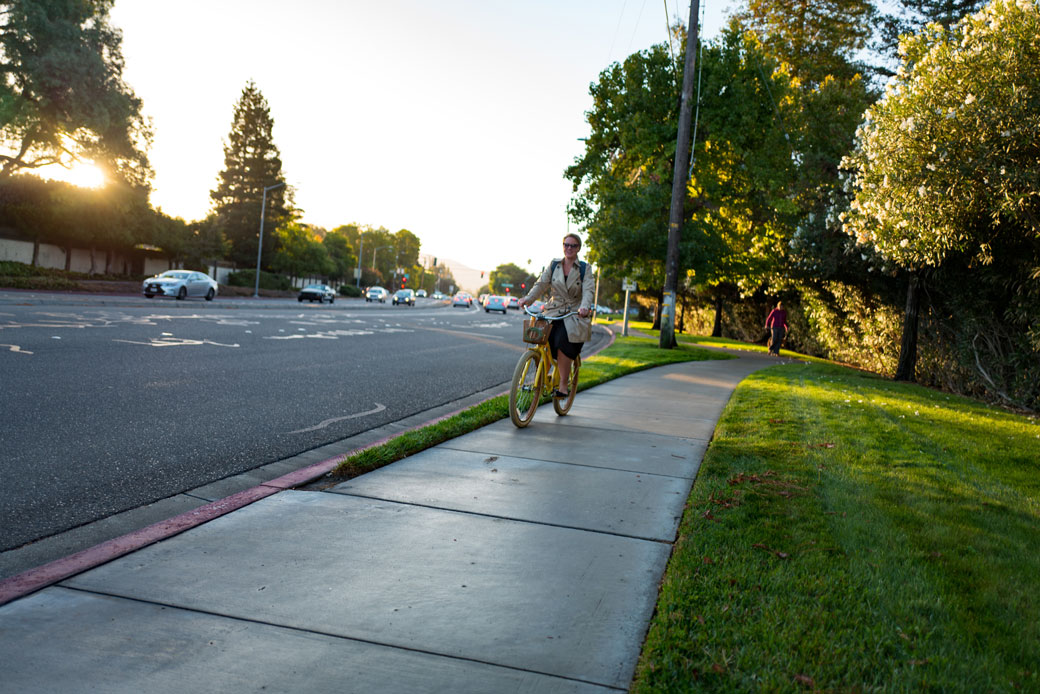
(545, 317)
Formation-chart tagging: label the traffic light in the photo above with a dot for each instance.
(523, 285)
(481, 274)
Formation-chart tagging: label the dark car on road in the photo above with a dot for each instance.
(317, 292)
(404, 296)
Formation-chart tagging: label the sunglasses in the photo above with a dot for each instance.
(571, 245)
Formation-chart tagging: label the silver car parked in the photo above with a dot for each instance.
(180, 284)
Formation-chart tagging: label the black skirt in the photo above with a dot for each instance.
(558, 341)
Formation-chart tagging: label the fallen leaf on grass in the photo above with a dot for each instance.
(805, 679)
(708, 560)
(822, 445)
(778, 553)
(777, 421)
(919, 662)
(717, 669)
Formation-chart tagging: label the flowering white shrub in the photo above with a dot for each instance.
(950, 156)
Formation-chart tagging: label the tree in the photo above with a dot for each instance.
(909, 17)
(62, 95)
(510, 273)
(251, 164)
(341, 254)
(817, 38)
(300, 253)
(947, 164)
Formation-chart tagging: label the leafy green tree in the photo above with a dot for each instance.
(251, 164)
(62, 95)
(337, 245)
(406, 245)
(738, 206)
(512, 274)
(300, 253)
(817, 38)
(379, 254)
(947, 165)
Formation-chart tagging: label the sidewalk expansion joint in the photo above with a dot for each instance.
(584, 465)
(492, 516)
(338, 637)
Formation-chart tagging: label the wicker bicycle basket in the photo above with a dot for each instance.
(536, 331)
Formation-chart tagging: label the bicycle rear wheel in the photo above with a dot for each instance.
(526, 389)
(563, 405)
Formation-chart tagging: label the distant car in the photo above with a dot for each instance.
(404, 296)
(603, 309)
(462, 299)
(513, 303)
(180, 284)
(376, 294)
(421, 294)
(317, 292)
(482, 299)
(438, 295)
(495, 303)
(537, 306)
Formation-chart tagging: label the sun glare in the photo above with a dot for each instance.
(84, 174)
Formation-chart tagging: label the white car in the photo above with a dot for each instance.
(180, 284)
(376, 294)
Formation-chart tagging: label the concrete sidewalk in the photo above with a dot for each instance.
(500, 561)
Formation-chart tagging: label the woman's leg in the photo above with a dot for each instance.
(563, 365)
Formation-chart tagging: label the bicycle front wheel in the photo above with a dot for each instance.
(563, 405)
(526, 389)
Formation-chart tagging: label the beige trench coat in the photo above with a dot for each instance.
(567, 295)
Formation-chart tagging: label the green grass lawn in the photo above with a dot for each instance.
(627, 355)
(851, 534)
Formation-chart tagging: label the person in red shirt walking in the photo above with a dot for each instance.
(776, 323)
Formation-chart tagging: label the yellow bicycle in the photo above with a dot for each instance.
(535, 375)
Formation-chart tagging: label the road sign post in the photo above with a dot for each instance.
(629, 286)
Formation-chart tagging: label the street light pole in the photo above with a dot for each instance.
(260, 245)
(361, 249)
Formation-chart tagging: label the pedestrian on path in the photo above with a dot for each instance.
(571, 289)
(776, 323)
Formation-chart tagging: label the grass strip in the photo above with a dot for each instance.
(627, 355)
(852, 534)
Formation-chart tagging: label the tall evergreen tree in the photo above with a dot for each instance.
(251, 163)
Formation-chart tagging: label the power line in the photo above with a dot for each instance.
(617, 30)
(635, 28)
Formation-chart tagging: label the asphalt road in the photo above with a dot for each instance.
(109, 403)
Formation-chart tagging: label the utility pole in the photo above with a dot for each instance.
(679, 176)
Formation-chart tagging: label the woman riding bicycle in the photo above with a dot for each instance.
(573, 288)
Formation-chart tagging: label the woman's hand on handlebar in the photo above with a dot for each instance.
(584, 312)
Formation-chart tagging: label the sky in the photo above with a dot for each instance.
(453, 119)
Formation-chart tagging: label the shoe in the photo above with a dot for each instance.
(559, 394)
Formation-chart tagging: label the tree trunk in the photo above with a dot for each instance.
(716, 330)
(93, 263)
(68, 258)
(905, 370)
(36, 251)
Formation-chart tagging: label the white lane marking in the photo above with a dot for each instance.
(379, 408)
(175, 342)
(16, 349)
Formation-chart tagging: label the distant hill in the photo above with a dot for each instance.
(466, 277)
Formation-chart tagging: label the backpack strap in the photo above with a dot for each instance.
(581, 269)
